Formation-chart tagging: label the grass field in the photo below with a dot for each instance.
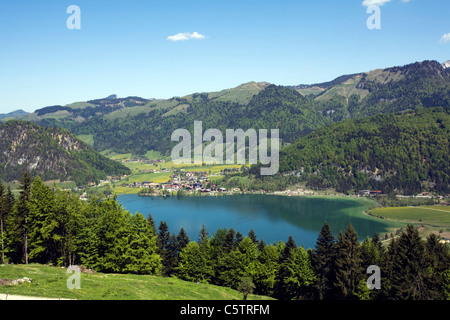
(51, 282)
(435, 216)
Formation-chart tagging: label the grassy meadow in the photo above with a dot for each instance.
(433, 218)
(51, 282)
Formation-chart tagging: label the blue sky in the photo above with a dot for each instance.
(129, 48)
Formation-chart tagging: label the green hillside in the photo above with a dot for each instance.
(52, 153)
(407, 153)
(51, 282)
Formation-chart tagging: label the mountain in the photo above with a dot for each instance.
(407, 153)
(446, 64)
(384, 85)
(138, 125)
(13, 114)
(113, 107)
(51, 153)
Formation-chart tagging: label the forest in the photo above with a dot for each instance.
(51, 153)
(395, 153)
(51, 226)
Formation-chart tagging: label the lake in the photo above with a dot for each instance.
(274, 218)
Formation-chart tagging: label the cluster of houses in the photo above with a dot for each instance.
(370, 193)
(188, 181)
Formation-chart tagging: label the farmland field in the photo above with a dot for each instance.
(435, 216)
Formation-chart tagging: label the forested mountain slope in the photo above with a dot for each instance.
(52, 153)
(407, 153)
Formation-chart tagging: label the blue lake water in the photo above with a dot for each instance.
(274, 218)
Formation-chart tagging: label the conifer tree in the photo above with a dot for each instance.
(174, 246)
(240, 262)
(322, 260)
(152, 224)
(230, 241)
(283, 273)
(182, 240)
(408, 273)
(19, 222)
(141, 256)
(252, 235)
(163, 244)
(3, 216)
(44, 225)
(239, 237)
(8, 202)
(69, 211)
(289, 245)
(171, 259)
(347, 265)
(203, 235)
(437, 259)
(266, 274)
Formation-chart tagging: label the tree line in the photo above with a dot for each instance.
(51, 226)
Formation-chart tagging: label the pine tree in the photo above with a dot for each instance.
(19, 222)
(266, 274)
(182, 240)
(163, 244)
(252, 235)
(203, 235)
(250, 251)
(289, 245)
(230, 268)
(141, 248)
(378, 246)
(69, 211)
(347, 265)
(438, 262)
(174, 246)
(283, 273)
(152, 224)
(171, 259)
(7, 208)
(369, 254)
(261, 244)
(322, 260)
(239, 237)
(240, 262)
(230, 241)
(3, 215)
(43, 224)
(408, 273)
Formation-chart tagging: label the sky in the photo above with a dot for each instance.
(162, 49)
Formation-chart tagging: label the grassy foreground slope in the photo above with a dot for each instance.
(51, 282)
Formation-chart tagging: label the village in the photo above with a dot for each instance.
(181, 180)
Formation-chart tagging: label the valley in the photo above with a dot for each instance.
(366, 152)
